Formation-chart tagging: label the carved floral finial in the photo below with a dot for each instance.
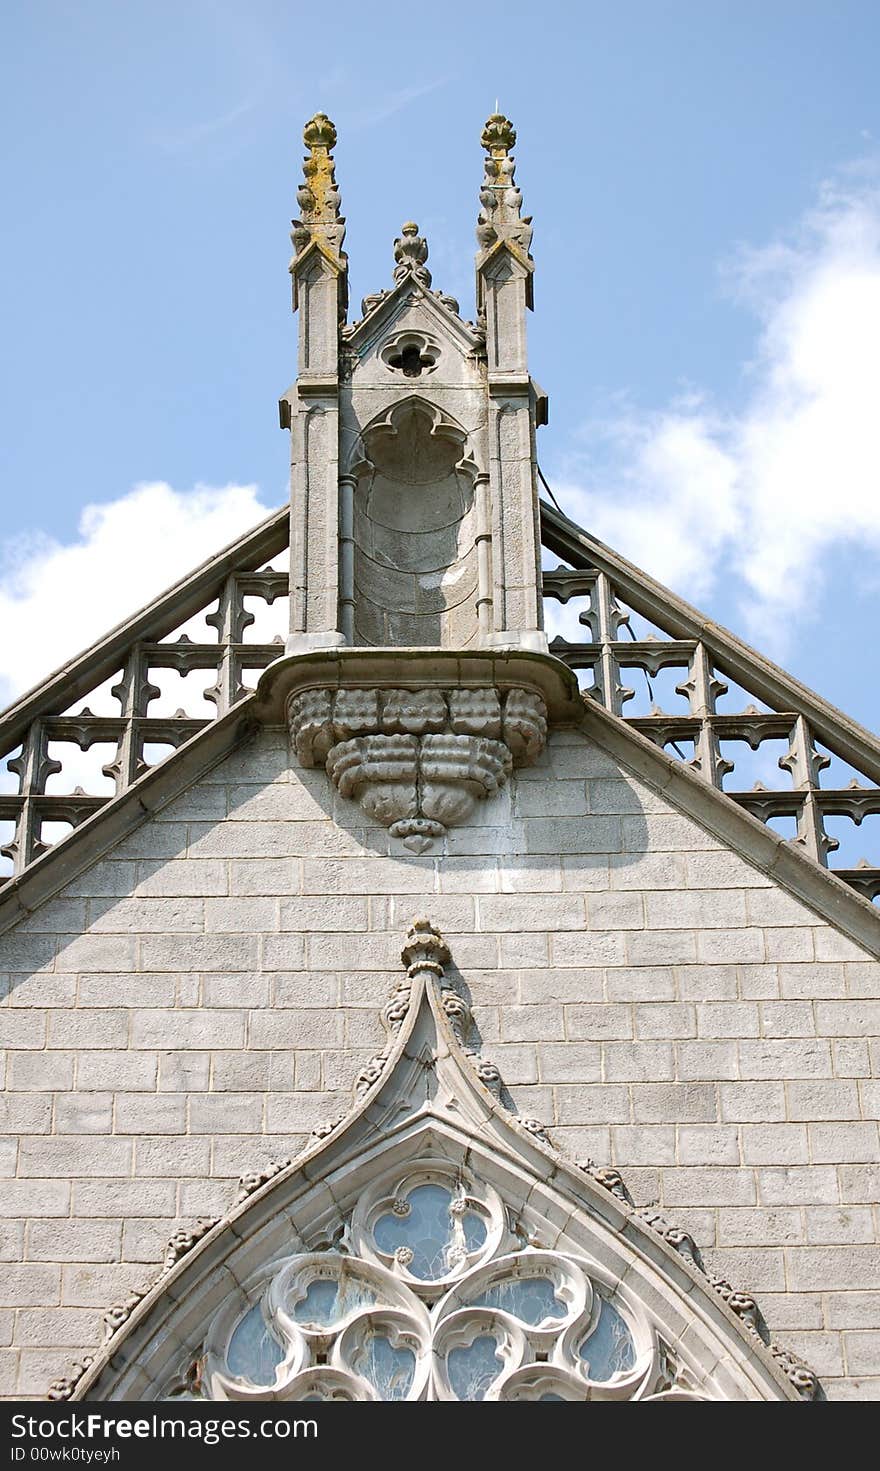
(410, 254)
(500, 216)
(318, 197)
(319, 132)
(424, 948)
(499, 134)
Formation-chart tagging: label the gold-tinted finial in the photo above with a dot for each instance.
(500, 216)
(499, 135)
(319, 132)
(317, 196)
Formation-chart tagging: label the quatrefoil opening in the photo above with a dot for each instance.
(410, 353)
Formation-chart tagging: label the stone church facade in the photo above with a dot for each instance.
(424, 1025)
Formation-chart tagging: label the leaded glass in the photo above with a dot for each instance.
(253, 1353)
(430, 1230)
(609, 1349)
(388, 1368)
(531, 1299)
(328, 1300)
(430, 1297)
(473, 1369)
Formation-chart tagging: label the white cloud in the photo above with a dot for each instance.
(693, 492)
(57, 598)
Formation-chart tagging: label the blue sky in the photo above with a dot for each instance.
(704, 182)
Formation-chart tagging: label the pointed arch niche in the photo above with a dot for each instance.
(416, 526)
(432, 1245)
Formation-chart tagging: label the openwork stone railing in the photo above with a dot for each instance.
(614, 663)
(38, 726)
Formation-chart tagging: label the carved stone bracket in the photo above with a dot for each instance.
(418, 736)
(417, 760)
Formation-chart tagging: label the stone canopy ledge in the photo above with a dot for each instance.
(418, 736)
(421, 668)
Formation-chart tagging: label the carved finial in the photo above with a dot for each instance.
(424, 948)
(318, 197)
(499, 135)
(500, 218)
(410, 254)
(319, 132)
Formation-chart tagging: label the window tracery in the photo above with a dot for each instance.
(434, 1297)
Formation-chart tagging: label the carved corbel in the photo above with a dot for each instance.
(417, 760)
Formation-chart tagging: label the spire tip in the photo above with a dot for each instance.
(500, 217)
(318, 196)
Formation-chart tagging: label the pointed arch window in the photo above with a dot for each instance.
(432, 1245)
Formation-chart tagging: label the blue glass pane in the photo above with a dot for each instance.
(542, 1397)
(471, 1370)
(609, 1349)
(474, 1231)
(330, 1299)
(253, 1353)
(431, 1234)
(319, 1306)
(390, 1370)
(532, 1299)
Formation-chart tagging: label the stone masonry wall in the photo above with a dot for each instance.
(201, 998)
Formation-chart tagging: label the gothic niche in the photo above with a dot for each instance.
(415, 553)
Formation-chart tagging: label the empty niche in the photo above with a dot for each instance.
(415, 559)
